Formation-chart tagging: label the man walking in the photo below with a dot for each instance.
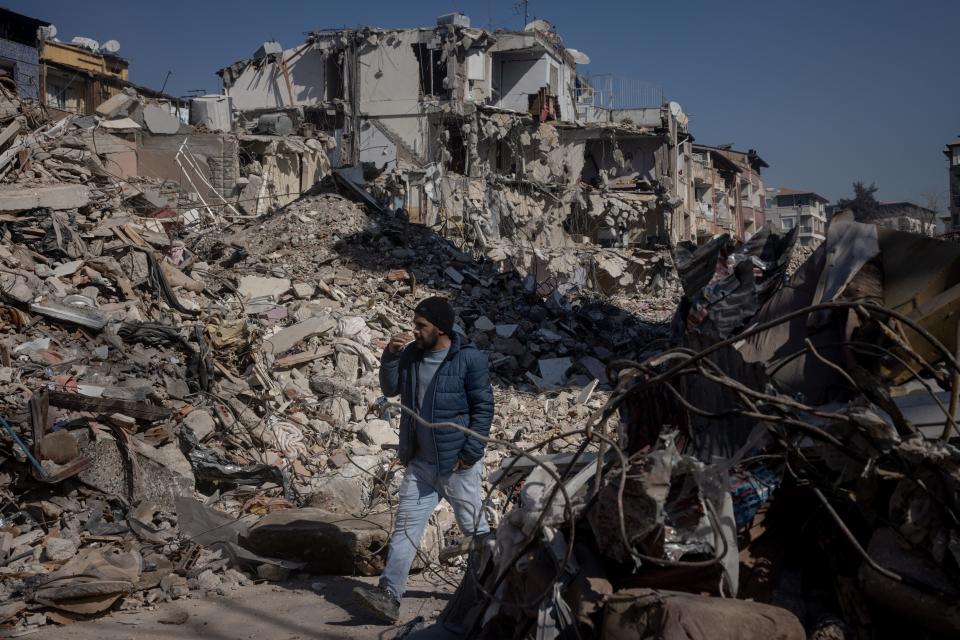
(442, 379)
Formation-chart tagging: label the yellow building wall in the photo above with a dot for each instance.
(82, 59)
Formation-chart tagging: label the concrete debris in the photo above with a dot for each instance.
(255, 287)
(153, 355)
(746, 460)
(15, 199)
(698, 430)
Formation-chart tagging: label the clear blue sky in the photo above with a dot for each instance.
(827, 91)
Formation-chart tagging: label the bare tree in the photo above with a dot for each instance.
(935, 201)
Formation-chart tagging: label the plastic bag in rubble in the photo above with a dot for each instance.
(210, 464)
(288, 437)
(353, 327)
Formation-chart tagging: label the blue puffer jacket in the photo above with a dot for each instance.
(461, 394)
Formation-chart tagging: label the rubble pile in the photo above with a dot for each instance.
(787, 469)
(182, 393)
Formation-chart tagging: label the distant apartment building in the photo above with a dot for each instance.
(728, 190)
(805, 210)
(907, 216)
(952, 151)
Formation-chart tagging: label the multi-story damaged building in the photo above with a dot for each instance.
(492, 137)
(806, 210)
(728, 191)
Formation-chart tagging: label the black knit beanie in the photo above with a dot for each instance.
(439, 312)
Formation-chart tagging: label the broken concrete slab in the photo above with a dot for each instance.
(483, 323)
(116, 105)
(303, 290)
(648, 613)
(121, 124)
(160, 476)
(83, 316)
(159, 120)
(595, 368)
(347, 366)
(251, 287)
(11, 130)
(201, 422)
(60, 197)
(287, 338)
(59, 549)
(67, 268)
(553, 371)
(454, 275)
(506, 330)
(329, 543)
(378, 432)
(338, 494)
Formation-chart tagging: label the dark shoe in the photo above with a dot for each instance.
(379, 602)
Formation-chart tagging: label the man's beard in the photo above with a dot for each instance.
(426, 343)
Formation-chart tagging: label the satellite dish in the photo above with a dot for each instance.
(676, 109)
(579, 56)
(48, 32)
(111, 46)
(86, 43)
(538, 25)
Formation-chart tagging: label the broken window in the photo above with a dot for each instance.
(334, 73)
(328, 120)
(433, 71)
(64, 93)
(457, 161)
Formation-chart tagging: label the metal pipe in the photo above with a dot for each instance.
(6, 425)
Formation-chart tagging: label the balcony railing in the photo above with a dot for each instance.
(612, 92)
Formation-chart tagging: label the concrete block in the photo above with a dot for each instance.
(159, 120)
(57, 197)
(59, 550)
(291, 336)
(118, 104)
(201, 422)
(251, 287)
(378, 432)
(330, 543)
(338, 495)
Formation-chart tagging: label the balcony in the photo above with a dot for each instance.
(702, 173)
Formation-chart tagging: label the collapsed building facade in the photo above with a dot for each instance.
(491, 137)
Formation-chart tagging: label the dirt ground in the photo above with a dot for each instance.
(287, 611)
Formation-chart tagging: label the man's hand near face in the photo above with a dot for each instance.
(399, 341)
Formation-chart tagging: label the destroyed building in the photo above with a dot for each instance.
(491, 137)
(729, 189)
(191, 314)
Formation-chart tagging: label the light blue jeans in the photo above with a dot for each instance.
(420, 493)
